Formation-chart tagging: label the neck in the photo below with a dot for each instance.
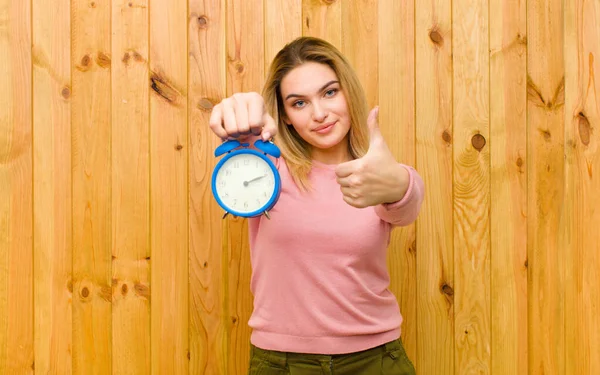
(334, 155)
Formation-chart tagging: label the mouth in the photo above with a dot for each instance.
(325, 127)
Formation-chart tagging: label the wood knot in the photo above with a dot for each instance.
(70, 285)
(85, 63)
(478, 142)
(163, 88)
(526, 263)
(130, 4)
(584, 129)
(178, 147)
(447, 289)
(413, 247)
(519, 162)
(66, 92)
(436, 37)
(205, 264)
(124, 289)
(137, 57)
(447, 137)
(239, 68)
(85, 292)
(126, 58)
(546, 134)
(103, 60)
(202, 22)
(142, 290)
(205, 105)
(92, 4)
(233, 319)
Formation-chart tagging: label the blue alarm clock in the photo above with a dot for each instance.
(245, 182)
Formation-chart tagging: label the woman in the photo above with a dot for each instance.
(320, 281)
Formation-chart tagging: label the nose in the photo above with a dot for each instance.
(319, 112)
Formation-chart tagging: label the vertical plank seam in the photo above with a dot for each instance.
(187, 174)
(451, 106)
(149, 150)
(489, 188)
(32, 153)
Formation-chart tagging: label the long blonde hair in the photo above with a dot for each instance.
(295, 150)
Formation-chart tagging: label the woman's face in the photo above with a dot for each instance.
(317, 109)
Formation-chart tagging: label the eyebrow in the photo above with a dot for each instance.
(321, 89)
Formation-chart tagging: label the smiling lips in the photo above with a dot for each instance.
(325, 128)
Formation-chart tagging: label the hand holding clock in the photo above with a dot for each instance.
(242, 115)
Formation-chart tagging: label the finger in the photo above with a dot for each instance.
(345, 169)
(216, 122)
(343, 181)
(256, 110)
(372, 119)
(270, 127)
(352, 202)
(241, 115)
(229, 122)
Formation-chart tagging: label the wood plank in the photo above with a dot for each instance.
(471, 186)
(323, 19)
(581, 212)
(360, 44)
(130, 184)
(52, 186)
(396, 32)
(16, 191)
(508, 127)
(545, 186)
(245, 72)
(91, 155)
(434, 133)
(169, 228)
(283, 23)
(207, 65)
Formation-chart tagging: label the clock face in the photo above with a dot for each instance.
(245, 184)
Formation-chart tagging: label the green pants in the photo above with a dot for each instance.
(387, 359)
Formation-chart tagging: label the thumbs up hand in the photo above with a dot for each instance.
(375, 178)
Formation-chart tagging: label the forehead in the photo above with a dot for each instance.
(307, 78)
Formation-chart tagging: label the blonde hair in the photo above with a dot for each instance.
(294, 149)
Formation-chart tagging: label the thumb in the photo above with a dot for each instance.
(374, 132)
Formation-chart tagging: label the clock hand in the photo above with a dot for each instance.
(246, 183)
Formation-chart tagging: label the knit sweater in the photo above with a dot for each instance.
(319, 274)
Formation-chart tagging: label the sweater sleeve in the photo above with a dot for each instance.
(406, 210)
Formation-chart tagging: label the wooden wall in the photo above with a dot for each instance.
(114, 258)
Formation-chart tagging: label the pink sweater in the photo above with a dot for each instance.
(320, 280)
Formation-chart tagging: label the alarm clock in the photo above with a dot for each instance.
(245, 182)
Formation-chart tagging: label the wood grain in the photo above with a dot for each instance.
(91, 163)
(283, 23)
(434, 230)
(52, 186)
(209, 338)
(16, 190)
(323, 19)
(396, 61)
(508, 128)
(581, 212)
(130, 186)
(245, 72)
(471, 187)
(169, 193)
(360, 44)
(545, 186)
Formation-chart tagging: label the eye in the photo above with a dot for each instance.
(299, 104)
(331, 92)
